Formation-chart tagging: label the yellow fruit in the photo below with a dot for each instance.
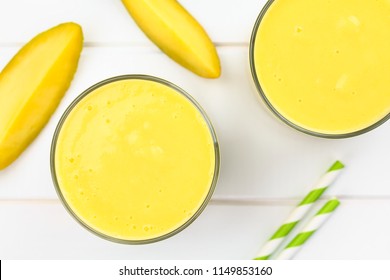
(32, 85)
(177, 34)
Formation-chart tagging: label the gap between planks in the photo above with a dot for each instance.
(233, 201)
(145, 44)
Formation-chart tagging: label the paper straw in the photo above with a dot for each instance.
(309, 229)
(300, 211)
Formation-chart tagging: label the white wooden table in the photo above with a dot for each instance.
(266, 166)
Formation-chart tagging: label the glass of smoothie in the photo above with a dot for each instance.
(323, 66)
(135, 159)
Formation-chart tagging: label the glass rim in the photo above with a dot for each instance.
(280, 115)
(179, 91)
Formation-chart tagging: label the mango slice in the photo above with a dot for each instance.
(32, 85)
(177, 34)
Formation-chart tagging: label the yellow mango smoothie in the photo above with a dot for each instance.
(135, 159)
(323, 66)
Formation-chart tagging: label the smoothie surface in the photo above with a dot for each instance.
(324, 65)
(134, 159)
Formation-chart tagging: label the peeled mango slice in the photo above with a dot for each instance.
(177, 34)
(32, 85)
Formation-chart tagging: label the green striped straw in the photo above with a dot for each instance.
(309, 229)
(300, 211)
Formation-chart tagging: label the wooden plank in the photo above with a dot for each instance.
(261, 157)
(46, 231)
(107, 21)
